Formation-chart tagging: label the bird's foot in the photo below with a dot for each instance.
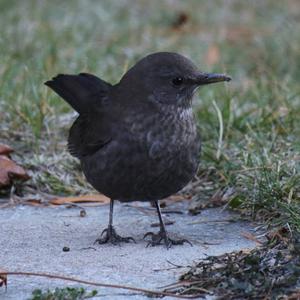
(110, 236)
(162, 236)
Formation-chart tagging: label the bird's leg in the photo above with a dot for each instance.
(110, 235)
(157, 238)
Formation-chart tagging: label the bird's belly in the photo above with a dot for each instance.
(134, 171)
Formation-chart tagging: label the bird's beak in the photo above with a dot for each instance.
(206, 78)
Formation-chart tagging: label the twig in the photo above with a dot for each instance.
(171, 211)
(175, 265)
(225, 221)
(172, 268)
(168, 222)
(88, 248)
(146, 210)
(116, 286)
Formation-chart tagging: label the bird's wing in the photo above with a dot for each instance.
(88, 134)
(88, 95)
(83, 92)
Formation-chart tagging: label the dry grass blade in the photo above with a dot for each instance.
(221, 130)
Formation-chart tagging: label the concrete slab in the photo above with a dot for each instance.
(32, 239)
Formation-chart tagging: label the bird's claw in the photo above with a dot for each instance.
(157, 238)
(110, 236)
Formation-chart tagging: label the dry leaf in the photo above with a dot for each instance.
(212, 56)
(80, 199)
(9, 171)
(3, 278)
(5, 150)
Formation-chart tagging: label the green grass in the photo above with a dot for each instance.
(67, 293)
(259, 43)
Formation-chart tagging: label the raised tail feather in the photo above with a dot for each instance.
(82, 91)
(85, 93)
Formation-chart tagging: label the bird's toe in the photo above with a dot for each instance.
(162, 237)
(111, 236)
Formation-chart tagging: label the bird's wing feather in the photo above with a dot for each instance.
(88, 134)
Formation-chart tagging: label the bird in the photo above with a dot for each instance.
(137, 140)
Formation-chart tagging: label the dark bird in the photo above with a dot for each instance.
(137, 140)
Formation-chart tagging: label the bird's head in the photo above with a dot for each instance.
(167, 79)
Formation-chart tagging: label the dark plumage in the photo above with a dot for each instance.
(137, 140)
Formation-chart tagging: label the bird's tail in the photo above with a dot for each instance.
(82, 91)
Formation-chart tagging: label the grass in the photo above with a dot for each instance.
(67, 293)
(256, 42)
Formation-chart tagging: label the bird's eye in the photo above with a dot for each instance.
(177, 81)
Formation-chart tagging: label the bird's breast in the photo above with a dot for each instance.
(149, 157)
(168, 139)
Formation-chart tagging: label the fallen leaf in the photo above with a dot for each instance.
(212, 55)
(5, 150)
(3, 278)
(9, 171)
(80, 199)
